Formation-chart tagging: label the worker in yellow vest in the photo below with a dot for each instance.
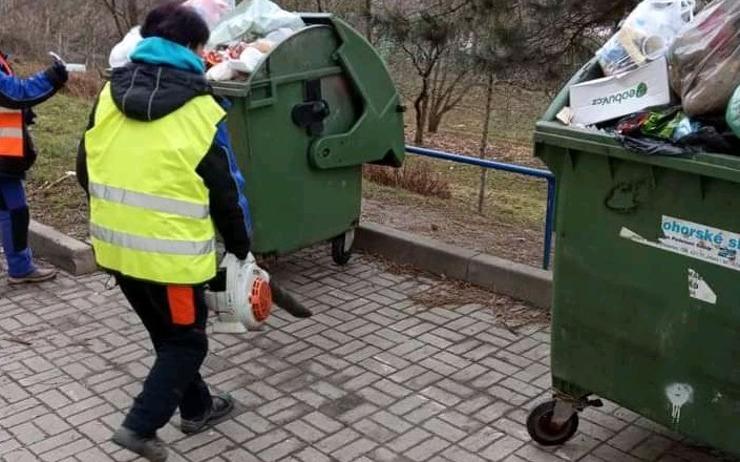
(161, 179)
(17, 155)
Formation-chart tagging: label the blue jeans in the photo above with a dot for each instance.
(14, 221)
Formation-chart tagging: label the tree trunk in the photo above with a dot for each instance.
(369, 20)
(422, 111)
(133, 13)
(435, 120)
(484, 143)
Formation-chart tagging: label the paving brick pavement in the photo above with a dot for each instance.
(371, 377)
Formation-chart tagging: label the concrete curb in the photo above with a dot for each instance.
(62, 251)
(515, 280)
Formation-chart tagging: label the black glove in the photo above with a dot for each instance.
(29, 117)
(57, 74)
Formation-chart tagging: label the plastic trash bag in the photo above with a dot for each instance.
(120, 55)
(705, 139)
(248, 62)
(645, 35)
(253, 19)
(211, 10)
(705, 59)
(733, 113)
(221, 72)
(662, 123)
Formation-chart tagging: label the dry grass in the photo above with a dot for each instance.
(509, 313)
(417, 177)
(450, 294)
(83, 85)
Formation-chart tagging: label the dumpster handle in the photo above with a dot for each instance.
(511, 168)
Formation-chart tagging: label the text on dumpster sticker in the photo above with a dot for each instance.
(700, 290)
(694, 240)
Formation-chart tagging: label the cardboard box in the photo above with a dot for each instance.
(613, 97)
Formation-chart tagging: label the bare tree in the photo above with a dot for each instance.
(490, 86)
(429, 42)
(452, 78)
(125, 13)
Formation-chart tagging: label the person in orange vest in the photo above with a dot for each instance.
(17, 97)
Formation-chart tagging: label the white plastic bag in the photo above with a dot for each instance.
(211, 10)
(252, 19)
(221, 72)
(248, 61)
(646, 35)
(121, 53)
(263, 45)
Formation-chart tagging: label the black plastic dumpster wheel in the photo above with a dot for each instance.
(341, 253)
(542, 430)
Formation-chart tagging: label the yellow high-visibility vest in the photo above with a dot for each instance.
(149, 209)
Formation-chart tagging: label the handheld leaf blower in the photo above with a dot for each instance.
(243, 296)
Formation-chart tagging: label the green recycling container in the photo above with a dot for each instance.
(646, 308)
(319, 106)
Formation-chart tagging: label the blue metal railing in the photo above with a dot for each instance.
(511, 168)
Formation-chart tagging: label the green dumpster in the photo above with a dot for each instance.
(646, 285)
(320, 106)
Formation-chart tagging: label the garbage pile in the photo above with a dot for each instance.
(671, 82)
(241, 36)
(242, 39)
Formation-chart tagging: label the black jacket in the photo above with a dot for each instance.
(147, 92)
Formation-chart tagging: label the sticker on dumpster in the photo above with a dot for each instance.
(679, 395)
(693, 240)
(700, 290)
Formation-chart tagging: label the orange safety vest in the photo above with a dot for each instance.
(11, 124)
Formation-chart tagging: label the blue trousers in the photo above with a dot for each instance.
(14, 221)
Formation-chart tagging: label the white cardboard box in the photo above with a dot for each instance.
(612, 97)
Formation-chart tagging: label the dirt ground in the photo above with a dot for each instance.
(462, 228)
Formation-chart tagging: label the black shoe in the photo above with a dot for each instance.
(222, 406)
(151, 449)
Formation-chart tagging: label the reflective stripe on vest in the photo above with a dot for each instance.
(149, 208)
(11, 125)
(147, 244)
(147, 201)
(11, 134)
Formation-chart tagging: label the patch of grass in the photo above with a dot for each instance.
(510, 199)
(83, 85)
(417, 177)
(54, 199)
(59, 127)
(515, 113)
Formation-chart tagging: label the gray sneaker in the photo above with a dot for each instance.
(39, 275)
(223, 404)
(151, 449)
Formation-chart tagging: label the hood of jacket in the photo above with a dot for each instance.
(161, 78)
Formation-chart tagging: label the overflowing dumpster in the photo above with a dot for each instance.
(317, 108)
(646, 272)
